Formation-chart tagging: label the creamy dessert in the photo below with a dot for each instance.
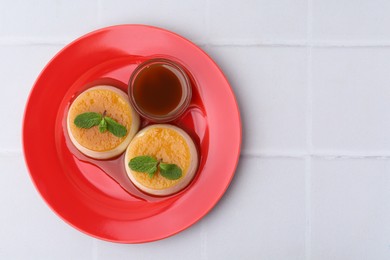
(101, 122)
(161, 159)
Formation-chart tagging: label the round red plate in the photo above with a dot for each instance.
(82, 193)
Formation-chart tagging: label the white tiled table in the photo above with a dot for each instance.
(312, 80)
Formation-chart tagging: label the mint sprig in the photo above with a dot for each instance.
(149, 165)
(103, 126)
(91, 119)
(170, 171)
(114, 127)
(88, 120)
(145, 164)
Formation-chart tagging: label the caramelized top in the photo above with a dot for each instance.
(163, 144)
(99, 100)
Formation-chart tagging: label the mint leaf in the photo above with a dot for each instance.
(115, 128)
(90, 119)
(103, 126)
(87, 120)
(170, 171)
(152, 171)
(145, 164)
(148, 164)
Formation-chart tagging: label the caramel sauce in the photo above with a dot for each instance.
(157, 90)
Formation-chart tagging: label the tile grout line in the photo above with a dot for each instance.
(309, 132)
(307, 208)
(281, 155)
(275, 155)
(95, 254)
(350, 157)
(207, 23)
(314, 156)
(348, 44)
(21, 41)
(11, 152)
(208, 42)
(300, 43)
(203, 241)
(99, 11)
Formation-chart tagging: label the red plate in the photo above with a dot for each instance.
(78, 189)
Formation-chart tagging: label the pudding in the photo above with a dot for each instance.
(101, 122)
(164, 144)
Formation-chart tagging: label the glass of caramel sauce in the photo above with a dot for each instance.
(160, 90)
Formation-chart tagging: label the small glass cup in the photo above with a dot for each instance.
(185, 87)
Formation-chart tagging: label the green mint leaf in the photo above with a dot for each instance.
(115, 128)
(152, 171)
(170, 171)
(87, 120)
(145, 164)
(103, 126)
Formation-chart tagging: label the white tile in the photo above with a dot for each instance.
(270, 85)
(20, 66)
(350, 209)
(262, 215)
(345, 20)
(29, 230)
(47, 19)
(184, 245)
(351, 99)
(183, 17)
(254, 20)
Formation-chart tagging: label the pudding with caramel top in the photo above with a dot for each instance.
(97, 139)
